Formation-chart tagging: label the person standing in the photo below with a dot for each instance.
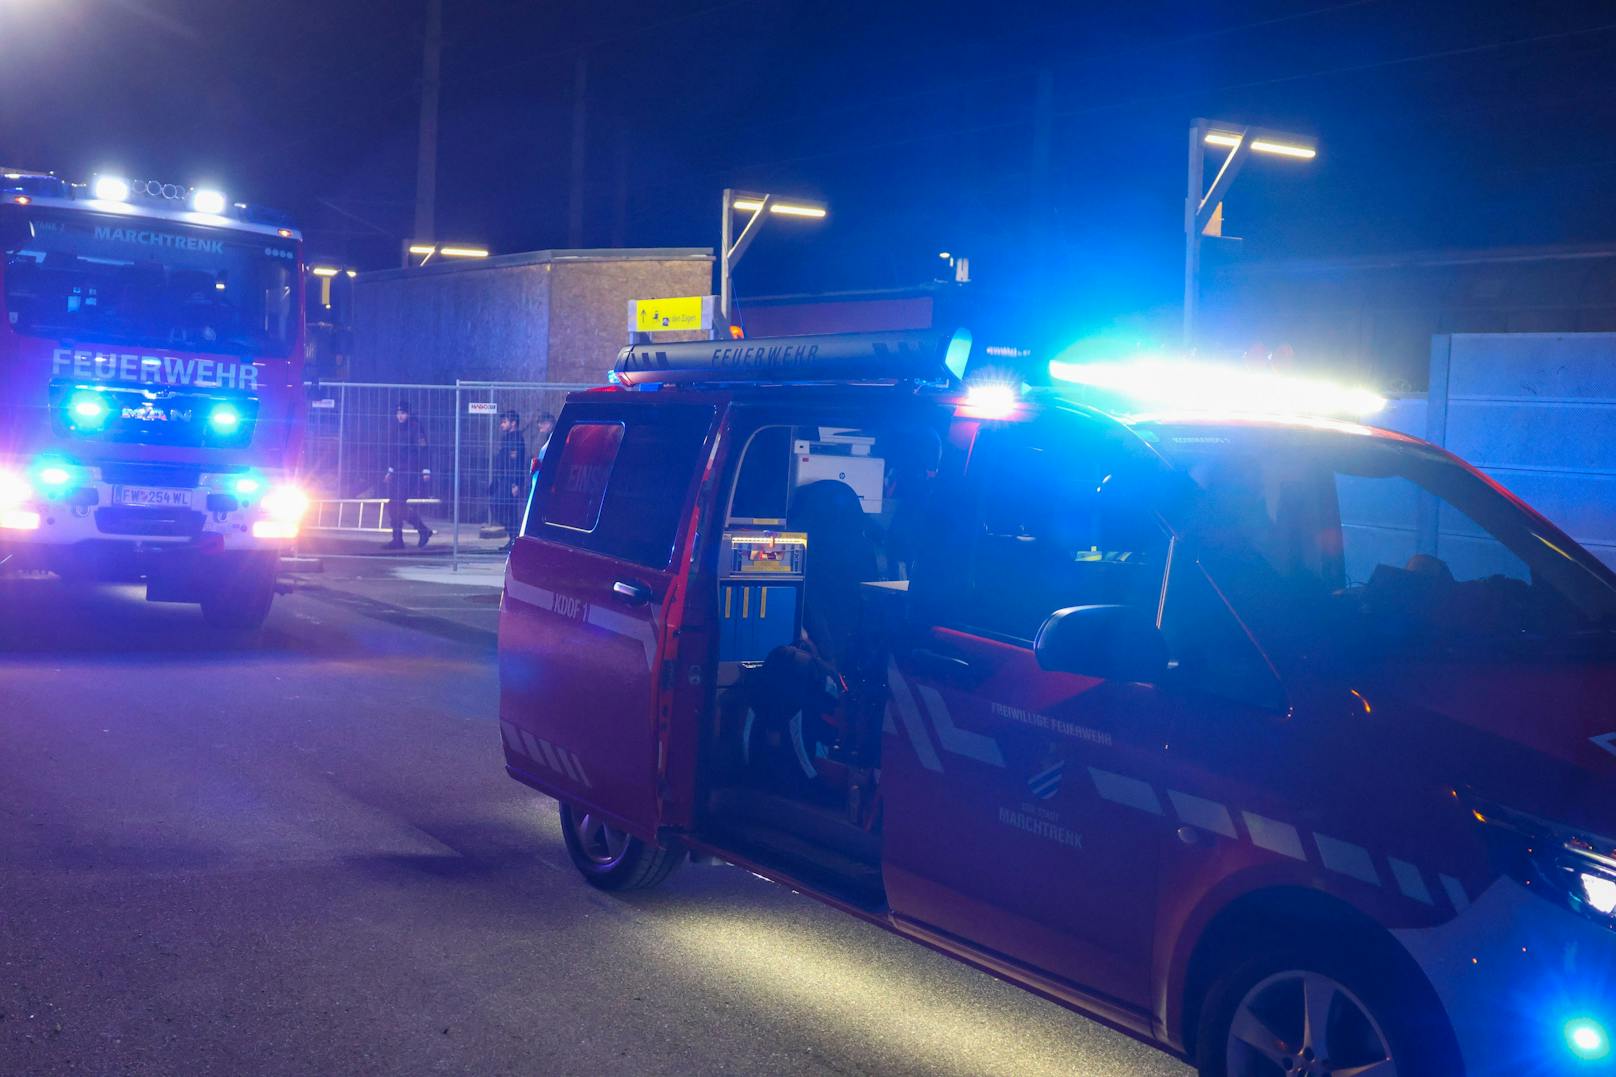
(407, 475)
(509, 484)
(541, 434)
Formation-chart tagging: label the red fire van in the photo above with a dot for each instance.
(1282, 742)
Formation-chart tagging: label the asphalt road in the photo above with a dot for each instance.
(299, 854)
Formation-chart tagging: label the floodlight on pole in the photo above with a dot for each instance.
(1232, 139)
(425, 252)
(784, 209)
(760, 206)
(1203, 206)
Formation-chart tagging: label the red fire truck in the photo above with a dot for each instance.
(151, 353)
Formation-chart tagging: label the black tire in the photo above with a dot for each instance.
(239, 599)
(1401, 1007)
(622, 863)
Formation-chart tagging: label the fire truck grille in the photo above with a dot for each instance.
(172, 476)
(149, 522)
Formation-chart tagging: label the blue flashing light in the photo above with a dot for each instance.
(1587, 1039)
(54, 475)
(224, 419)
(88, 409)
(246, 485)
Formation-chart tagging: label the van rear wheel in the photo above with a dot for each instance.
(612, 859)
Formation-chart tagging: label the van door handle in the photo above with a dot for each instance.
(635, 592)
(937, 663)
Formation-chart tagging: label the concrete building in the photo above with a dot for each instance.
(555, 316)
(1372, 317)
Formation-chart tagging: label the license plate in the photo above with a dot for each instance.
(151, 497)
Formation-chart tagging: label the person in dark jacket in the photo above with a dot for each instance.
(509, 484)
(407, 475)
(542, 432)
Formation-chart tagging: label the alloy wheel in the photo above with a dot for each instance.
(602, 843)
(1305, 1024)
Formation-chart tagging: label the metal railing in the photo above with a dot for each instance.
(353, 431)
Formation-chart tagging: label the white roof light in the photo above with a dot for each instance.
(204, 200)
(111, 189)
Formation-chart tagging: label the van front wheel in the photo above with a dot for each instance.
(612, 859)
(1329, 1011)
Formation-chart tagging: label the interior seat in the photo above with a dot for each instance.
(842, 554)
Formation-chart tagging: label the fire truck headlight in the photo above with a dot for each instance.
(14, 490)
(88, 410)
(204, 200)
(224, 418)
(19, 520)
(111, 188)
(54, 476)
(286, 504)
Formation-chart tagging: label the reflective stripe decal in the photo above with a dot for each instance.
(1409, 880)
(1455, 892)
(909, 715)
(1206, 814)
(544, 753)
(1129, 792)
(566, 764)
(1341, 857)
(1347, 858)
(549, 756)
(1273, 835)
(639, 629)
(964, 742)
(621, 624)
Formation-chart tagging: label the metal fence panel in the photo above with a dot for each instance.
(346, 441)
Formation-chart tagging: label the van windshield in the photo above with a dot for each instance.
(1346, 539)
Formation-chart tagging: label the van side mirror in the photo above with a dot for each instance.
(1114, 643)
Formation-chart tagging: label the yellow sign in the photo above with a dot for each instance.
(686, 312)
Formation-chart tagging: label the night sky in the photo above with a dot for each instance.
(1440, 125)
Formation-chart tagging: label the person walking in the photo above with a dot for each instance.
(509, 484)
(407, 475)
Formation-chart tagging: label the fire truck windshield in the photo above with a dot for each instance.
(101, 278)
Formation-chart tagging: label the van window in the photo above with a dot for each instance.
(1063, 520)
(1348, 544)
(763, 485)
(617, 487)
(578, 484)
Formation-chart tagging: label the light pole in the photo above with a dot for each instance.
(1203, 206)
(760, 206)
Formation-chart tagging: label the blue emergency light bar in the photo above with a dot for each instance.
(922, 355)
